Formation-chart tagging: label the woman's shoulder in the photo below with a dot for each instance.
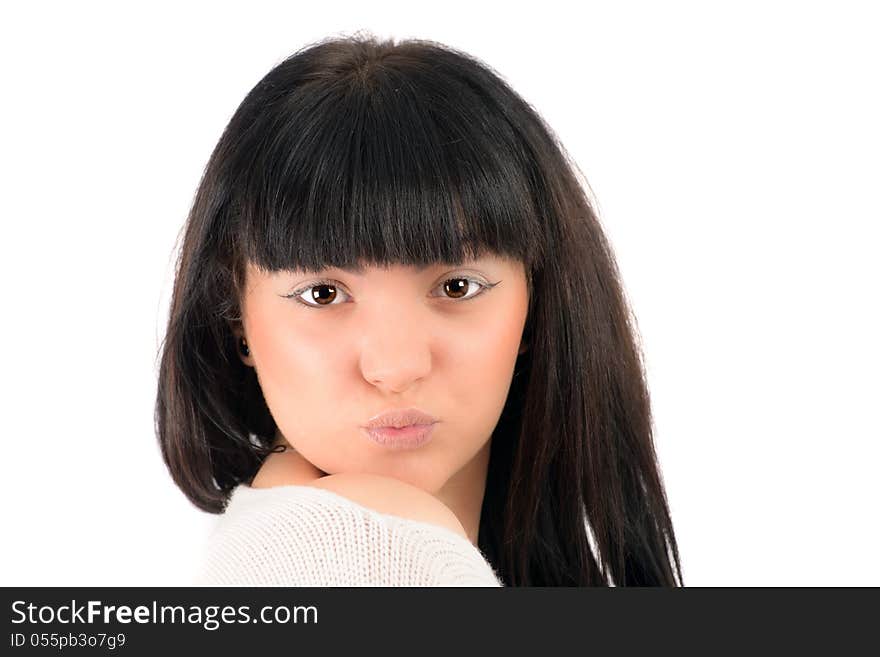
(306, 535)
(391, 497)
(374, 492)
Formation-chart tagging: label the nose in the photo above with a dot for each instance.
(395, 351)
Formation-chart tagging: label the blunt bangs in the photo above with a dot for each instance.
(402, 163)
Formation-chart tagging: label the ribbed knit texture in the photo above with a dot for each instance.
(307, 536)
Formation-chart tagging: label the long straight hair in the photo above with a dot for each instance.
(358, 151)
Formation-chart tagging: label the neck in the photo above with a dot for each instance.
(464, 492)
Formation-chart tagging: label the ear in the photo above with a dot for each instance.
(241, 345)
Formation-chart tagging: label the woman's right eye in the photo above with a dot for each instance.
(318, 294)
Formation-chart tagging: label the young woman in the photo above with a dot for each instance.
(392, 273)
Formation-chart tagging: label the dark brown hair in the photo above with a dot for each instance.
(355, 150)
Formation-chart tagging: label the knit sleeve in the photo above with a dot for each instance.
(307, 536)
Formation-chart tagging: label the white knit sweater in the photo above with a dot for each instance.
(307, 536)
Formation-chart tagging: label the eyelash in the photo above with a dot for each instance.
(295, 295)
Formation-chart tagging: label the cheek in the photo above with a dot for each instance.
(482, 365)
(297, 372)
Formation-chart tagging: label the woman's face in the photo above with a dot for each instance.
(334, 348)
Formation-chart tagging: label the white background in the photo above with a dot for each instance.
(734, 152)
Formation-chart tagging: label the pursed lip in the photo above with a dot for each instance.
(397, 418)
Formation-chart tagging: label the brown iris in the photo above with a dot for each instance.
(322, 298)
(458, 286)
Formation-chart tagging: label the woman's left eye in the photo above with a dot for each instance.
(460, 287)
